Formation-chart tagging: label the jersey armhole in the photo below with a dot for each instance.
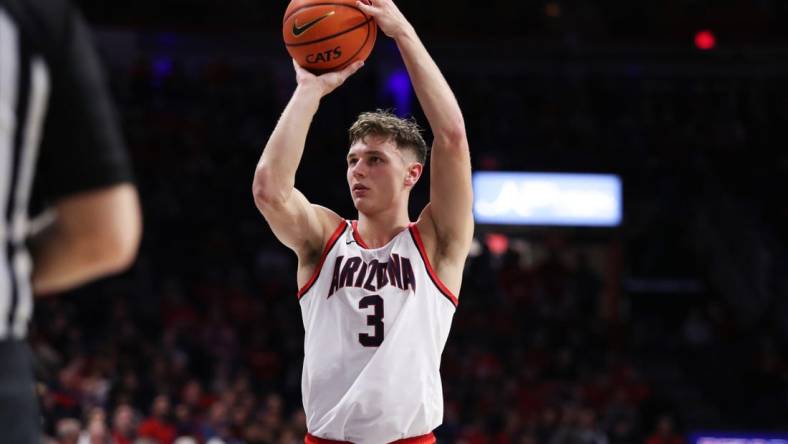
(329, 245)
(414, 234)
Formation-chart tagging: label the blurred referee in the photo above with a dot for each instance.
(60, 145)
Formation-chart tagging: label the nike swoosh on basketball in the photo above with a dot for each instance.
(298, 30)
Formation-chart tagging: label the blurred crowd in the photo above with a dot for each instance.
(201, 342)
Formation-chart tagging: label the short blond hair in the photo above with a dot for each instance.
(406, 133)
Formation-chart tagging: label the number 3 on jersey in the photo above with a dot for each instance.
(374, 320)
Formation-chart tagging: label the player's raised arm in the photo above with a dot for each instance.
(295, 222)
(451, 193)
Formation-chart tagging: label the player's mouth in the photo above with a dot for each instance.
(359, 190)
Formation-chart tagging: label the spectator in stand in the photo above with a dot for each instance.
(288, 436)
(665, 433)
(158, 425)
(547, 424)
(185, 422)
(124, 425)
(298, 422)
(589, 431)
(216, 425)
(578, 426)
(68, 431)
(96, 431)
(622, 432)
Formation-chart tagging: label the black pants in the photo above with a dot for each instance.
(20, 421)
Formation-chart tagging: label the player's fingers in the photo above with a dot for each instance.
(343, 75)
(334, 79)
(366, 8)
(351, 69)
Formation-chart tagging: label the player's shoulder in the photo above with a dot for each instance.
(329, 219)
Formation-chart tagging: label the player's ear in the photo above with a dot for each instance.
(414, 173)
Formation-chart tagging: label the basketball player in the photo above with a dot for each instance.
(378, 294)
(60, 145)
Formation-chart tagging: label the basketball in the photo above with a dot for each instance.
(326, 36)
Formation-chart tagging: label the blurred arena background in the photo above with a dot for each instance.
(671, 327)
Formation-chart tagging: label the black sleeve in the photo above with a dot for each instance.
(82, 145)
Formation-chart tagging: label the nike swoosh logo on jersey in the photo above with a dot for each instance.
(298, 30)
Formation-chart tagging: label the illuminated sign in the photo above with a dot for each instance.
(738, 438)
(509, 198)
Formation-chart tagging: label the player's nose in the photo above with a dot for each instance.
(359, 170)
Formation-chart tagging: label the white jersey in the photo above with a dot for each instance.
(375, 321)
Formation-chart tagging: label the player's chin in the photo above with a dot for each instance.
(362, 203)
(359, 203)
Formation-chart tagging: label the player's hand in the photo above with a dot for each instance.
(325, 83)
(386, 15)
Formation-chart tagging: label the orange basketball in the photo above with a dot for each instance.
(328, 35)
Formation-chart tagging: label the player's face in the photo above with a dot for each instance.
(377, 174)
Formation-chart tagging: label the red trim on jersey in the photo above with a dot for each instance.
(429, 438)
(357, 236)
(414, 231)
(331, 241)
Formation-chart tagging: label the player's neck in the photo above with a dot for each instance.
(378, 229)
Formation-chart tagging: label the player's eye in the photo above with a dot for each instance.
(375, 159)
(352, 162)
